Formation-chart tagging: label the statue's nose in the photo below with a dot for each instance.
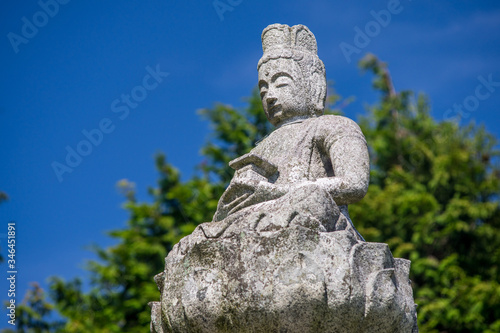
(270, 100)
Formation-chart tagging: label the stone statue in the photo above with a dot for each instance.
(282, 254)
(311, 166)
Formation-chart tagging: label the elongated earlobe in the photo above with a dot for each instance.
(318, 92)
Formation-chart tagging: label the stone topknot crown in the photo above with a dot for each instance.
(298, 37)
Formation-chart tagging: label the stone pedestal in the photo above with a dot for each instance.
(295, 279)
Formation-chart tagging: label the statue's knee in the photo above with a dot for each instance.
(311, 192)
(312, 204)
(313, 198)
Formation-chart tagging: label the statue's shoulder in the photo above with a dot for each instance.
(337, 123)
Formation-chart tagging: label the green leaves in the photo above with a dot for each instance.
(434, 199)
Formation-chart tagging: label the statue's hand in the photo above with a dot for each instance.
(244, 193)
(262, 191)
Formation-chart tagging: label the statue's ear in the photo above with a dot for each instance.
(318, 91)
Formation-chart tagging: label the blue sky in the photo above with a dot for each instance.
(77, 67)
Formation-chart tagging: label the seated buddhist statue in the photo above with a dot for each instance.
(311, 166)
(281, 254)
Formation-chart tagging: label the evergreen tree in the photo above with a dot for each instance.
(434, 199)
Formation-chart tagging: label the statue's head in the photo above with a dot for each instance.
(292, 78)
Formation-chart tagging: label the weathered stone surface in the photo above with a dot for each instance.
(294, 279)
(282, 254)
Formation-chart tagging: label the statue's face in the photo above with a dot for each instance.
(283, 91)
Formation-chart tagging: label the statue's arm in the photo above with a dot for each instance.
(345, 145)
(351, 165)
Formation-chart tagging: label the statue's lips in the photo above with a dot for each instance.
(275, 109)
